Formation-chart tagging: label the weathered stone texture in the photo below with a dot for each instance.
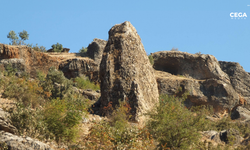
(95, 50)
(126, 73)
(240, 79)
(196, 66)
(75, 67)
(33, 60)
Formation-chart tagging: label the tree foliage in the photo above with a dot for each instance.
(24, 35)
(15, 39)
(173, 125)
(57, 47)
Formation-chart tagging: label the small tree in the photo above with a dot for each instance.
(57, 47)
(83, 50)
(13, 37)
(24, 36)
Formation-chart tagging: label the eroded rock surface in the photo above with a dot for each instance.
(240, 79)
(199, 67)
(79, 66)
(212, 92)
(126, 73)
(33, 60)
(15, 142)
(95, 50)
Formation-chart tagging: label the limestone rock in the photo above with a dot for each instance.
(95, 50)
(33, 60)
(5, 124)
(196, 66)
(14, 142)
(223, 136)
(15, 63)
(213, 92)
(226, 134)
(91, 95)
(240, 79)
(75, 67)
(126, 73)
(240, 113)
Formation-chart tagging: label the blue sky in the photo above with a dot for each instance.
(191, 26)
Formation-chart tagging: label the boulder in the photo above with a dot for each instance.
(95, 50)
(231, 135)
(240, 113)
(225, 136)
(73, 68)
(14, 142)
(90, 94)
(126, 73)
(240, 79)
(199, 67)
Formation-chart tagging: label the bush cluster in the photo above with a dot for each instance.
(46, 107)
(118, 133)
(83, 82)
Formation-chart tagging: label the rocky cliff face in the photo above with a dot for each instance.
(33, 60)
(75, 67)
(196, 66)
(126, 73)
(199, 75)
(24, 58)
(239, 78)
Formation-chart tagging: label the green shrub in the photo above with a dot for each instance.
(83, 50)
(83, 82)
(173, 125)
(37, 48)
(40, 76)
(151, 59)
(28, 121)
(57, 47)
(62, 118)
(10, 71)
(24, 91)
(55, 84)
(117, 133)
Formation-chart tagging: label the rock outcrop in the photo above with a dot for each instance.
(212, 92)
(240, 113)
(224, 136)
(33, 60)
(14, 142)
(65, 50)
(95, 50)
(199, 67)
(126, 73)
(15, 63)
(240, 79)
(80, 66)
